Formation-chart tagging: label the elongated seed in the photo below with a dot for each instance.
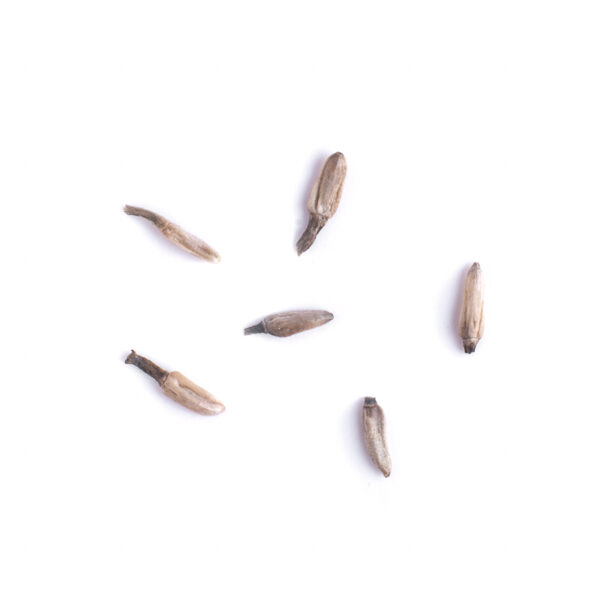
(288, 323)
(324, 199)
(373, 423)
(186, 241)
(471, 322)
(178, 387)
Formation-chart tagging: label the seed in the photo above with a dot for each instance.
(288, 323)
(470, 325)
(373, 423)
(177, 387)
(324, 199)
(186, 241)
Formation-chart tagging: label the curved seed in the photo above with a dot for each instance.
(373, 423)
(288, 323)
(324, 199)
(186, 241)
(471, 322)
(178, 387)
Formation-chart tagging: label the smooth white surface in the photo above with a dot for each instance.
(471, 131)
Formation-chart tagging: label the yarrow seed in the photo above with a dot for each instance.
(373, 422)
(288, 323)
(177, 387)
(324, 199)
(186, 241)
(471, 323)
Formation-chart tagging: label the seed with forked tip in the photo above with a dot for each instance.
(288, 323)
(373, 423)
(188, 242)
(324, 199)
(178, 387)
(471, 323)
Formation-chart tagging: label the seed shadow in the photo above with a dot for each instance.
(457, 306)
(305, 194)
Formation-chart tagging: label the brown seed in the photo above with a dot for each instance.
(186, 241)
(324, 199)
(471, 322)
(373, 423)
(288, 323)
(177, 387)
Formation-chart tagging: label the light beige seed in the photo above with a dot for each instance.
(324, 199)
(178, 387)
(288, 323)
(471, 323)
(373, 422)
(186, 241)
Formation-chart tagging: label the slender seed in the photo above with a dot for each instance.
(373, 422)
(186, 241)
(471, 322)
(178, 387)
(324, 199)
(288, 323)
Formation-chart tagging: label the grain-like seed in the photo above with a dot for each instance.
(288, 323)
(186, 241)
(373, 423)
(177, 387)
(324, 199)
(471, 323)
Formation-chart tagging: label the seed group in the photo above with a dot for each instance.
(322, 205)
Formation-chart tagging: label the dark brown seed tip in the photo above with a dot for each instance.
(146, 365)
(370, 401)
(130, 360)
(258, 328)
(146, 214)
(469, 346)
(315, 224)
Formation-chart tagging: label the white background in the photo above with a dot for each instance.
(471, 131)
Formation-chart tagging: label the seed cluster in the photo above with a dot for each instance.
(322, 205)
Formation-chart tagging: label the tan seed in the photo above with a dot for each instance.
(324, 199)
(471, 323)
(288, 323)
(178, 387)
(373, 422)
(186, 241)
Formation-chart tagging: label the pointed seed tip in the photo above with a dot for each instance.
(258, 328)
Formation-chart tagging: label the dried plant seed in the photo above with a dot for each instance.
(471, 323)
(373, 423)
(324, 199)
(178, 387)
(186, 241)
(288, 323)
